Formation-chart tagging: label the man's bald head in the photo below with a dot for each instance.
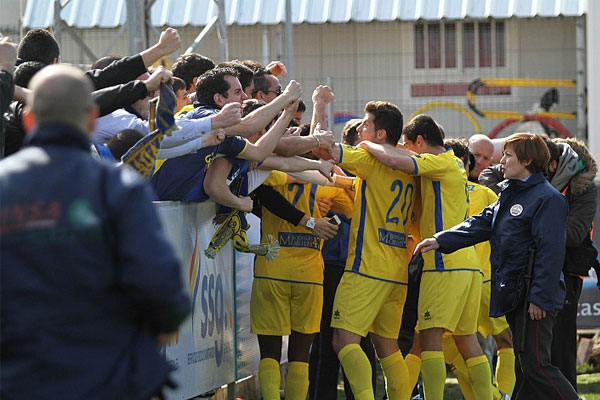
(482, 149)
(61, 94)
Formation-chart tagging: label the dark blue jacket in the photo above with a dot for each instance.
(335, 250)
(528, 214)
(87, 277)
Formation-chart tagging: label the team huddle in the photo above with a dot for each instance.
(401, 195)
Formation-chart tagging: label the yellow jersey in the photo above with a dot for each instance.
(479, 198)
(445, 203)
(383, 207)
(299, 257)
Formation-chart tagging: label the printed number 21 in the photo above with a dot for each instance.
(300, 188)
(397, 185)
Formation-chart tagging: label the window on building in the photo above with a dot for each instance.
(450, 45)
(419, 46)
(500, 47)
(433, 36)
(468, 44)
(485, 44)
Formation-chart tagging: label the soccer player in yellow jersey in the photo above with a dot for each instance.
(372, 291)
(451, 284)
(287, 293)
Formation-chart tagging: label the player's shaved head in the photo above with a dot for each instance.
(60, 94)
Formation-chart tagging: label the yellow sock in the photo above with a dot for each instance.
(296, 381)
(457, 363)
(433, 371)
(358, 371)
(413, 364)
(396, 375)
(505, 370)
(481, 377)
(269, 378)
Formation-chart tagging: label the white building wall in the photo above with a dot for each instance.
(375, 61)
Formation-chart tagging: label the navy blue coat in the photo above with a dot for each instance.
(528, 214)
(87, 277)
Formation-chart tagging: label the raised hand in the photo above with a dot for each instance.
(326, 169)
(322, 95)
(213, 138)
(326, 138)
(169, 41)
(160, 75)
(230, 114)
(277, 68)
(292, 91)
(8, 55)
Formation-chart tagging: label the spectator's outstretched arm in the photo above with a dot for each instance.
(295, 145)
(259, 118)
(321, 96)
(193, 129)
(273, 201)
(266, 144)
(215, 185)
(129, 68)
(297, 164)
(210, 139)
(121, 71)
(168, 42)
(114, 97)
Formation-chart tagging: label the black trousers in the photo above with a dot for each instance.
(564, 334)
(537, 378)
(324, 365)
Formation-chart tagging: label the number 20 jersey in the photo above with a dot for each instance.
(382, 213)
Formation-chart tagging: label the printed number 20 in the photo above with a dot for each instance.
(404, 210)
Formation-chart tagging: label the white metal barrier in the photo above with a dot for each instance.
(204, 351)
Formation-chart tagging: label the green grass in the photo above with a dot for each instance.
(588, 386)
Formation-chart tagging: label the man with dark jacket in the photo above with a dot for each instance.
(573, 175)
(90, 285)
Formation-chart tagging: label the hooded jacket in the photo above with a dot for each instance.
(581, 191)
(529, 214)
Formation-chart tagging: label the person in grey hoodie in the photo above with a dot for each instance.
(573, 175)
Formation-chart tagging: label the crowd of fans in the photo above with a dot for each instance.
(104, 286)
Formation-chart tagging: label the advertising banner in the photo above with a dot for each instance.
(204, 350)
(588, 310)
